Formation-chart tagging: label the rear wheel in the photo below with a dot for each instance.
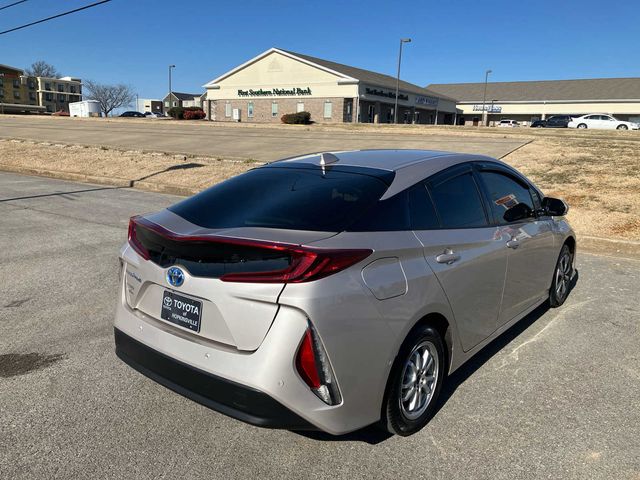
(622, 127)
(415, 382)
(582, 125)
(561, 277)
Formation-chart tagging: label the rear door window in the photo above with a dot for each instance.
(458, 202)
(423, 213)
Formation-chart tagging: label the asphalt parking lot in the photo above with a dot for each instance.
(555, 397)
(205, 138)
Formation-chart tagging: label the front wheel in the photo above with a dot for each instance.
(582, 125)
(622, 127)
(561, 277)
(414, 383)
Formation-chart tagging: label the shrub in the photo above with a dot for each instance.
(176, 112)
(186, 113)
(303, 118)
(195, 114)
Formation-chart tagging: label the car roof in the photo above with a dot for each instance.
(409, 165)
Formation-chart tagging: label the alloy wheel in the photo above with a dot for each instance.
(563, 275)
(419, 378)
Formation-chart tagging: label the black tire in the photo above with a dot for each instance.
(582, 125)
(395, 417)
(622, 127)
(562, 274)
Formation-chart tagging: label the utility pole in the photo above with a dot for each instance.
(395, 108)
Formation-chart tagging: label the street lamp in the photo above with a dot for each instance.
(484, 97)
(170, 67)
(395, 108)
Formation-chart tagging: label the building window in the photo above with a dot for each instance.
(328, 109)
(1, 81)
(227, 109)
(72, 89)
(61, 97)
(300, 107)
(61, 88)
(166, 104)
(48, 97)
(32, 95)
(175, 104)
(16, 95)
(274, 109)
(32, 84)
(250, 110)
(47, 86)
(16, 83)
(1, 92)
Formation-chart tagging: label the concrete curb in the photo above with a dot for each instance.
(609, 247)
(101, 180)
(586, 243)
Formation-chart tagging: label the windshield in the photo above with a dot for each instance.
(287, 198)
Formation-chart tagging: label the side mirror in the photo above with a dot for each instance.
(554, 206)
(519, 211)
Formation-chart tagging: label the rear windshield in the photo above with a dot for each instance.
(287, 198)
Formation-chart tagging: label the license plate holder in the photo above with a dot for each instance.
(182, 311)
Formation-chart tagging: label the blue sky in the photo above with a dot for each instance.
(453, 41)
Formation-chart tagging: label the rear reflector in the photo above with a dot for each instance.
(314, 368)
(306, 362)
(237, 259)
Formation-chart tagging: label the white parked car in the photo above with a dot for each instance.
(508, 123)
(603, 122)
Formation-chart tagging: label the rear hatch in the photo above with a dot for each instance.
(235, 313)
(215, 264)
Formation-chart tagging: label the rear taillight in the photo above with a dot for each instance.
(314, 368)
(304, 263)
(133, 238)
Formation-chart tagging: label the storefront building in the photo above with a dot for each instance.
(529, 101)
(278, 82)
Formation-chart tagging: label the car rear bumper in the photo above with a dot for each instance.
(230, 398)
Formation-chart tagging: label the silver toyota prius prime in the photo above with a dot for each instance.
(333, 291)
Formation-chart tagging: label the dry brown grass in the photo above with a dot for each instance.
(598, 177)
(187, 174)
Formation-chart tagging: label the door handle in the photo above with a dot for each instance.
(513, 243)
(448, 257)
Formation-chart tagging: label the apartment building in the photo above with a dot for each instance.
(21, 93)
(18, 92)
(55, 94)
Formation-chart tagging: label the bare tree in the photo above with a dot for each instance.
(109, 97)
(42, 69)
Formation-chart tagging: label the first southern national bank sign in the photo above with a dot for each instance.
(275, 92)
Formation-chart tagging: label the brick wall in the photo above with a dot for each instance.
(262, 109)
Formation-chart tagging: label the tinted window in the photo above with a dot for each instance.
(390, 215)
(423, 213)
(505, 193)
(288, 198)
(458, 202)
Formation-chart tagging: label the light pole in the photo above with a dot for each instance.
(395, 108)
(170, 67)
(484, 97)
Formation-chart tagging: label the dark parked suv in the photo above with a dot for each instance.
(558, 121)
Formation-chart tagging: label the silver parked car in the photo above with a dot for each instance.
(333, 291)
